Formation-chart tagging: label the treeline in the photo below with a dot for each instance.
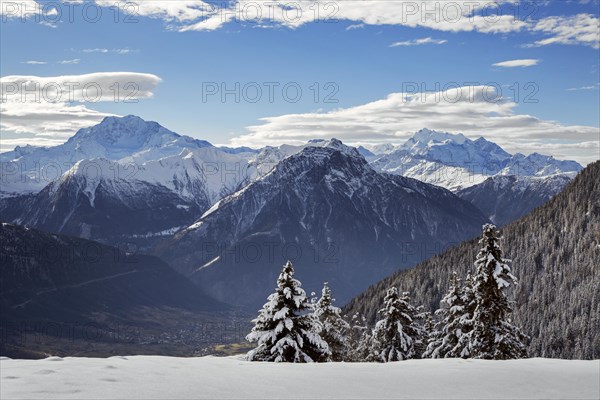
(556, 251)
(472, 322)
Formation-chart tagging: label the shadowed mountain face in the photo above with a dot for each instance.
(111, 210)
(555, 252)
(50, 282)
(332, 214)
(504, 199)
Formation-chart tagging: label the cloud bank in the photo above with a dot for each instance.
(583, 29)
(52, 108)
(472, 110)
(485, 16)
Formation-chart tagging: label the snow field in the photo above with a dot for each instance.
(154, 377)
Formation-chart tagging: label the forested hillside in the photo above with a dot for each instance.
(556, 257)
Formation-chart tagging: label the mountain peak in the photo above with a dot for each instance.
(115, 127)
(116, 137)
(426, 136)
(126, 119)
(337, 144)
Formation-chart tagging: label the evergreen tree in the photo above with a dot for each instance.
(446, 340)
(493, 336)
(285, 329)
(334, 327)
(397, 334)
(466, 320)
(428, 327)
(359, 340)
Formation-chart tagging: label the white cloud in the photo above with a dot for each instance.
(73, 61)
(20, 9)
(47, 121)
(97, 50)
(443, 15)
(473, 110)
(34, 62)
(178, 10)
(419, 42)
(583, 29)
(49, 24)
(589, 87)
(517, 63)
(55, 107)
(8, 144)
(484, 16)
(100, 86)
(125, 50)
(355, 26)
(440, 15)
(45, 14)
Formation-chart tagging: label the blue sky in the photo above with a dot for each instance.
(361, 65)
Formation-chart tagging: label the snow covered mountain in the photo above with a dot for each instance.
(330, 212)
(127, 179)
(456, 162)
(128, 140)
(506, 198)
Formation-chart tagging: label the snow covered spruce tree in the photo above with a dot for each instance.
(286, 330)
(447, 340)
(493, 336)
(397, 335)
(360, 340)
(334, 328)
(466, 320)
(427, 326)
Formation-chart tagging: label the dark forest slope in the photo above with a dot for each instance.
(556, 256)
(67, 296)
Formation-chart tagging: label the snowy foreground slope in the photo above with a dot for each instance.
(153, 377)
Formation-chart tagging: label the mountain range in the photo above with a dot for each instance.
(124, 179)
(456, 162)
(355, 215)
